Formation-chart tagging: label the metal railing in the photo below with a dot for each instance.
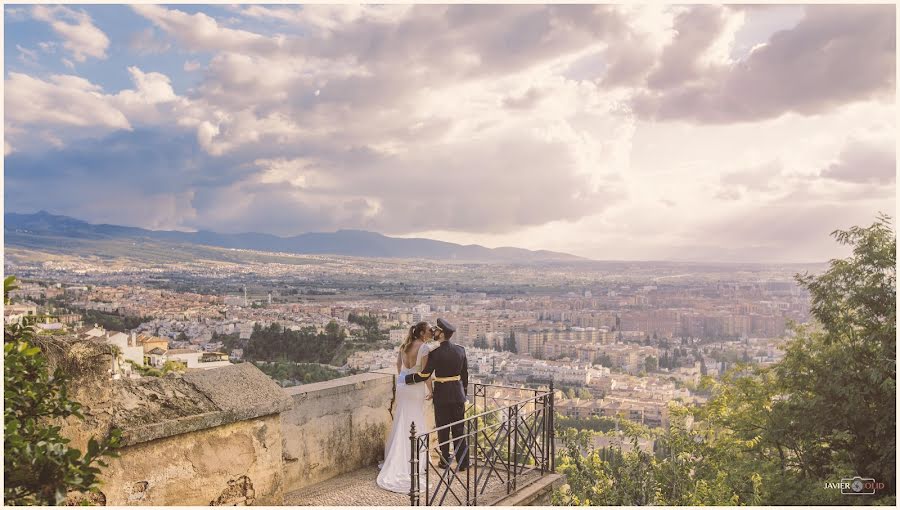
(508, 438)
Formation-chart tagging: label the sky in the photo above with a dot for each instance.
(614, 132)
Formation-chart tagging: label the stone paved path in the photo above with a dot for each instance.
(358, 488)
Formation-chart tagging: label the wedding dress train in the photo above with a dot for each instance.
(410, 408)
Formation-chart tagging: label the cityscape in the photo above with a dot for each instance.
(632, 340)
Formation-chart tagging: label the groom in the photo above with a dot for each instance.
(451, 378)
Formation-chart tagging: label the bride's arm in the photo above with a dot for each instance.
(399, 361)
(430, 382)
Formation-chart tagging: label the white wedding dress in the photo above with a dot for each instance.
(411, 406)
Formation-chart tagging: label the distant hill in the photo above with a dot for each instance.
(45, 230)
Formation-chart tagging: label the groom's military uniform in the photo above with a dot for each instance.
(448, 364)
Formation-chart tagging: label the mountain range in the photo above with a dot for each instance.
(45, 230)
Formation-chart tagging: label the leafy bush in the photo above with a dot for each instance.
(39, 467)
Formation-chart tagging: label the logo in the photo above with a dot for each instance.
(856, 486)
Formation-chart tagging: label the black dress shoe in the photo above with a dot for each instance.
(443, 465)
(462, 468)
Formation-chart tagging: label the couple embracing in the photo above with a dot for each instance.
(430, 368)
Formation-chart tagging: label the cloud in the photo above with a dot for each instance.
(64, 100)
(864, 162)
(147, 42)
(783, 230)
(835, 55)
(27, 56)
(200, 32)
(524, 102)
(80, 37)
(760, 178)
(67, 107)
(696, 32)
(477, 122)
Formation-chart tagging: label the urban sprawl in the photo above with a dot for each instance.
(620, 341)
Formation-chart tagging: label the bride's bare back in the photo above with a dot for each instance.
(412, 352)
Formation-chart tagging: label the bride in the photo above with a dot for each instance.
(411, 399)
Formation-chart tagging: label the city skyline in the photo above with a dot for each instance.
(708, 133)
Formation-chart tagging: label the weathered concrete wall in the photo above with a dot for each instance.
(336, 427)
(238, 463)
(211, 437)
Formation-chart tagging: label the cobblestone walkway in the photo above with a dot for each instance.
(358, 488)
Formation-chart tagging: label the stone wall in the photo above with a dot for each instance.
(234, 464)
(336, 427)
(231, 435)
(210, 437)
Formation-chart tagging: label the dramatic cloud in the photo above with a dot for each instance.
(63, 100)
(836, 54)
(630, 131)
(864, 162)
(80, 37)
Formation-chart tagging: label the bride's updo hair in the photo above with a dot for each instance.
(415, 331)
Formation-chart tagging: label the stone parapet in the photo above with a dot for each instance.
(336, 427)
(209, 437)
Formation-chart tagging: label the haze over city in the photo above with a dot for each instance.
(709, 133)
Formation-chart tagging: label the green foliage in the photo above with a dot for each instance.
(510, 343)
(839, 379)
(372, 334)
(289, 374)
(604, 361)
(275, 343)
(229, 342)
(39, 467)
(604, 424)
(775, 435)
(110, 321)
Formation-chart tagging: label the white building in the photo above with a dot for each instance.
(129, 350)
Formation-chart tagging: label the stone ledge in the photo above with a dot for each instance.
(338, 386)
(236, 393)
(536, 493)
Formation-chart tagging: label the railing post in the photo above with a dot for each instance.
(473, 460)
(509, 465)
(469, 455)
(413, 465)
(543, 459)
(515, 455)
(552, 433)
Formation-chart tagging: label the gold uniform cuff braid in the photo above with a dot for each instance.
(426, 375)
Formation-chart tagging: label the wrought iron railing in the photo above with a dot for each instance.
(509, 441)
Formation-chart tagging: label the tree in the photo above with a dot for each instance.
(840, 375)
(774, 435)
(39, 467)
(510, 344)
(604, 360)
(481, 343)
(651, 364)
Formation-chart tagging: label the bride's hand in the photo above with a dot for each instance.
(428, 397)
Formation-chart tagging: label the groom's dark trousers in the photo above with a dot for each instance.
(444, 415)
(451, 380)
